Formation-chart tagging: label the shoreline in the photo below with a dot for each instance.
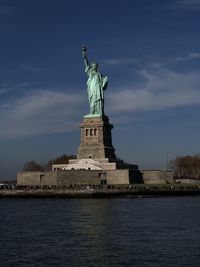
(96, 193)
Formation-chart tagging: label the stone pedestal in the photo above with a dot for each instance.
(96, 139)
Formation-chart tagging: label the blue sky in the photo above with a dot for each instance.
(150, 51)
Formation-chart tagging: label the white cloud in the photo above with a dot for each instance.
(190, 56)
(30, 68)
(39, 112)
(117, 62)
(191, 4)
(3, 91)
(6, 9)
(161, 89)
(4, 84)
(156, 65)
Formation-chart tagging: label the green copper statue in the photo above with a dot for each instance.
(96, 84)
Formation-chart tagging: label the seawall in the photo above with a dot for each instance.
(135, 191)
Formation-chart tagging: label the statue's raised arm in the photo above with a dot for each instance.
(96, 84)
(83, 49)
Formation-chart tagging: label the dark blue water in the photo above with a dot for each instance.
(100, 232)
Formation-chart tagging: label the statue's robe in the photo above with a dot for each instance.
(96, 84)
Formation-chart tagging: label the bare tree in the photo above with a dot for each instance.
(32, 166)
(186, 166)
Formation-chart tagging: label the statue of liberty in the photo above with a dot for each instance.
(96, 84)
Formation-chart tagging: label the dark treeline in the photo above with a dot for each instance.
(35, 166)
(186, 167)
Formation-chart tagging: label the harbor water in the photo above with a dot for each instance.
(100, 232)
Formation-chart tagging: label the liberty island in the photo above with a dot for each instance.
(96, 162)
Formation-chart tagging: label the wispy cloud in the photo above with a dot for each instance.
(3, 91)
(190, 4)
(4, 84)
(122, 61)
(6, 9)
(156, 65)
(160, 90)
(30, 68)
(190, 56)
(39, 112)
(7, 87)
